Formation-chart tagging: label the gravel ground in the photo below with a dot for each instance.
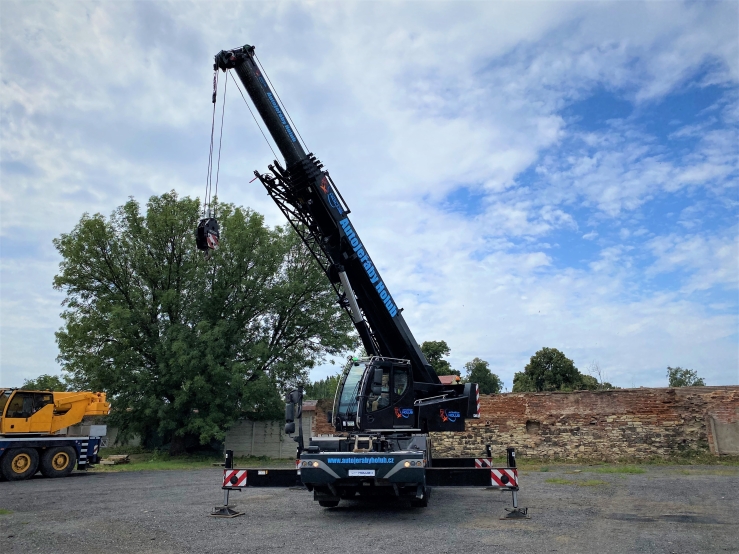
(667, 509)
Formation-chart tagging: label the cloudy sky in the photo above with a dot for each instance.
(524, 174)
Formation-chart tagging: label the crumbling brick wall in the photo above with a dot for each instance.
(605, 425)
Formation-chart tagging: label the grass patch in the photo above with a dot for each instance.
(690, 457)
(4, 512)
(591, 483)
(559, 481)
(544, 469)
(586, 483)
(158, 461)
(618, 469)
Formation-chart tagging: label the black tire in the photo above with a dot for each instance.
(19, 464)
(58, 461)
(328, 503)
(423, 502)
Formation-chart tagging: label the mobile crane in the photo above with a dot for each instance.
(387, 403)
(42, 430)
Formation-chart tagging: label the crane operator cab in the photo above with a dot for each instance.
(376, 395)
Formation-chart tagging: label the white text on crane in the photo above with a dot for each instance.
(368, 266)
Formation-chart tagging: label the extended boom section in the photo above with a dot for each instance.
(307, 196)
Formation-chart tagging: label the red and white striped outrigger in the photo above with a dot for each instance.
(441, 472)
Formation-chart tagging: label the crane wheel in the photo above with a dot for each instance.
(19, 464)
(58, 461)
(422, 502)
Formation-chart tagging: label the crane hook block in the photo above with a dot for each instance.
(207, 234)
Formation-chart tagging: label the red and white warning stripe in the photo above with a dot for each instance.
(234, 478)
(483, 462)
(297, 466)
(477, 394)
(504, 477)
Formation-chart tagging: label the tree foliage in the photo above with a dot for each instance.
(478, 371)
(550, 370)
(46, 382)
(183, 345)
(679, 377)
(325, 388)
(435, 351)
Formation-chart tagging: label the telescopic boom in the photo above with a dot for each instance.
(306, 194)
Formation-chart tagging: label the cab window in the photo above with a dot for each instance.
(21, 405)
(400, 380)
(41, 399)
(4, 400)
(378, 402)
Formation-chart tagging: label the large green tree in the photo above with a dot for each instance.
(478, 371)
(679, 377)
(550, 370)
(46, 382)
(184, 345)
(435, 351)
(322, 389)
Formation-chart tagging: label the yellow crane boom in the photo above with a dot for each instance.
(47, 412)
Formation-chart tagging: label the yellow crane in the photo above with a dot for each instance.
(37, 431)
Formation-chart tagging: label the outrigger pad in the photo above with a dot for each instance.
(225, 511)
(516, 513)
(207, 235)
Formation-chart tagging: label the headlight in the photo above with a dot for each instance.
(407, 464)
(305, 464)
(315, 464)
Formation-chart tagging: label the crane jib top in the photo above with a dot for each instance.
(242, 60)
(368, 266)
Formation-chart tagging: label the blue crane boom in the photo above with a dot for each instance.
(305, 192)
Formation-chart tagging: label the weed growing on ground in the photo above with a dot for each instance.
(559, 481)
(161, 460)
(4, 512)
(592, 483)
(586, 483)
(618, 469)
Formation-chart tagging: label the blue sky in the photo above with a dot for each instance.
(527, 174)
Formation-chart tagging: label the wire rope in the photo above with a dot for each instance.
(206, 198)
(220, 140)
(253, 116)
(281, 102)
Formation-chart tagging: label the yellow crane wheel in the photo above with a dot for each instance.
(60, 461)
(21, 462)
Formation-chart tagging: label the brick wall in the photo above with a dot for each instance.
(606, 425)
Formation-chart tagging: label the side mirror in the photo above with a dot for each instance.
(377, 376)
(290, 428)
(330, 416)
(289, 413)
(294, 397)
(377, 381)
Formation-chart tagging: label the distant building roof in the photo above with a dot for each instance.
(309, 405)
(449, 379)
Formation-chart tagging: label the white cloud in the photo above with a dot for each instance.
(404, 102)
(710, 260)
